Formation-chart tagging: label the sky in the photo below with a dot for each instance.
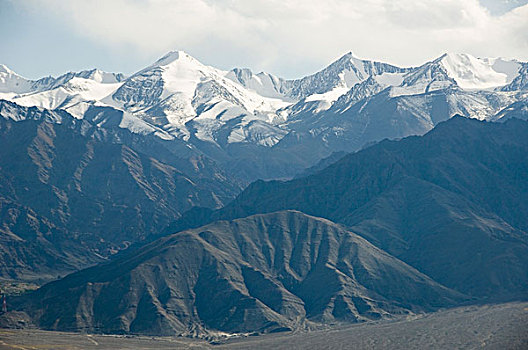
(289, 38)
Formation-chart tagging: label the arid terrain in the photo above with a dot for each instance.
(501, 326)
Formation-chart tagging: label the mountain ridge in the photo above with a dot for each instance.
(256, 274)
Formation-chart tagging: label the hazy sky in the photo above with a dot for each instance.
(290, 38)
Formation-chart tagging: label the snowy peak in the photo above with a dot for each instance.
(94, 75)
(459, 71)
(5, 69)
(353, 69)
(61, 92)
(176, 56)
(177, 89)
(171, 80)
(470, 72)
(12, 83)
(174, 72)
(340, 76)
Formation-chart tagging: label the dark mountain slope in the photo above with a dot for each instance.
(33, 248)
(323, 163)
(452, 203)
(261, 273)
(68, 185)
(448, 237)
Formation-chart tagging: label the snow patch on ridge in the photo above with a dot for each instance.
(389, 79)
(329, 96)
(473, 73)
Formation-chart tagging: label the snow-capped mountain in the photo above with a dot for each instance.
(341, 76)
(12, 83)
(61, 92)
(178, 89)
(231, 115)
(318, 91)
(459, 70)
(413, 102)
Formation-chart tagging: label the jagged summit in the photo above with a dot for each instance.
(339, 77)
(349, 55)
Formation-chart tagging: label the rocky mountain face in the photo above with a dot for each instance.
(263, 273)
(451, 203)
(71, 195)
(518, 110)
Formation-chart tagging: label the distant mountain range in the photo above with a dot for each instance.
(267, 127)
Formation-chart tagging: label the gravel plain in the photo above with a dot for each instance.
(499, 326)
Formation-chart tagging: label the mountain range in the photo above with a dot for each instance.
(73, 194)
(207, 133)
(185, 199)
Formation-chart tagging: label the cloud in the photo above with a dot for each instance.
(292, 37)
